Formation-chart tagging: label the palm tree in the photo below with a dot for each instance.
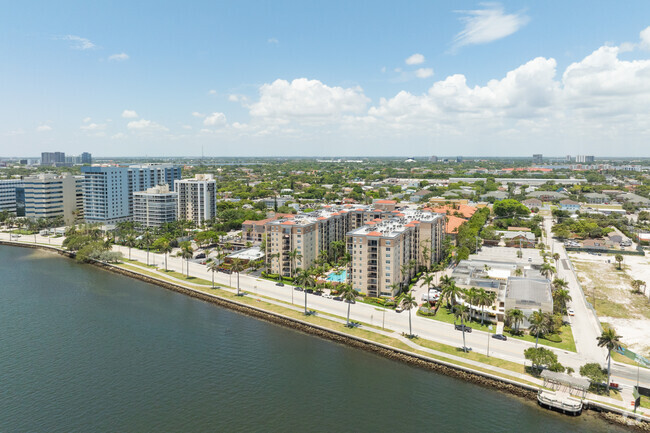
(130, 241)
(619, 260)
(428, 281)
(516, 316)
(237, 266)
(560, 299)
(485, 299)
(471, 295)
(187, 252)
(547, 270)
(293, 256)
(306, 280)
(637, 284)
(425, 256)
(460, 310)
(556, 257)
(349, 295)
(213, 267)
(559, 283)
(408, 302)
(537, 322)
(446, 280)
(147, 239)
(610, 341)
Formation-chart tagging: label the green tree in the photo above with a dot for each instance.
(130, 242)
(537, 324)
(609, 340)
(409, 302)
(594, 371)
(305, 279)
(547, 270)
(619, 260)
(237, 266)
(349, 295)
(509, 208)
(460, 311)
(213, 267)
(540, 356)
(516, 316)
(294, 255)
(163, 246)
(187, 252)
(560, 299)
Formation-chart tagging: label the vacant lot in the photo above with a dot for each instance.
(609, 290)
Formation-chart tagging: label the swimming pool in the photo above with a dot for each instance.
(337, 277)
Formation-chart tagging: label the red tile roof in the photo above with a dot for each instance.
(374, 234)
(453, 222)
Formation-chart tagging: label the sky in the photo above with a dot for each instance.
(328, 78)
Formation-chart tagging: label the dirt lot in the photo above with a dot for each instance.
(609, 290)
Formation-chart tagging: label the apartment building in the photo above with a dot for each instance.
(106, 194)
(8, 200)
(155, 206)
(197, 198)
(50, 195)
(410, 236)
(144, 176)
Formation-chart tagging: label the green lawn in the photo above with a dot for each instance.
(567, 342)
(445, 315)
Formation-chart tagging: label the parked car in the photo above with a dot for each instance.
(399, 309)
(337, 298)
(298, 288)
(463, 327)
(200, 256)
(500, 337)
(326, 295)
(570, 312)
(280, 284)
(308, 290)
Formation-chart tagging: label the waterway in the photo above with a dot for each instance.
(82, 349)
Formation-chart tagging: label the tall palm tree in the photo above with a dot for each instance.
(213, 267)
(609, 340)
(446, 280)
(237, 266)
(471, 295)
(293, 256)
(187, 252)
(485, 299)
(408, 302)
(305, 279)
(547, 270)
(130, 241)
(560, 299)
(559, 283)
(428, 281)
(349, 295)
(537, 322)
(460, 310)
(147, 239)
(556, 257)
(516, 316)
(619, 260)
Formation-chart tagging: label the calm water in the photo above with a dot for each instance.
(85, 350)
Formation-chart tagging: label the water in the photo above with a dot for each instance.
(82, 349)
(337, 277)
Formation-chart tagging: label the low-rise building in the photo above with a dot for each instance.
(569, 205)
(528, 295)
(596, 198)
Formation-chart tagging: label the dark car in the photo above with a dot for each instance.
(200, 256)
(309, 290)
(298, 288)
(279, 283)
(500, 337)
(463, 328)
(337, 298)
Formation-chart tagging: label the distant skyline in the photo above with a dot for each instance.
(295, 78)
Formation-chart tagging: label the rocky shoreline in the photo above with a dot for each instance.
(476, 377)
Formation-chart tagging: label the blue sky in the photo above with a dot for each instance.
(325, 78)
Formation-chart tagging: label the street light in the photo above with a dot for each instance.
(383, 316)
(488, 345)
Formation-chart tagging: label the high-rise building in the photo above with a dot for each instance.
(49, 195)
(144, 176)
(538, 158)
(86, 158)
(106, 194)
(52, 158)
(197, 198)
(155, 206)
(8, 201)
(433, 158)
(584, 158)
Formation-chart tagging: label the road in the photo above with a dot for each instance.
(583, 323)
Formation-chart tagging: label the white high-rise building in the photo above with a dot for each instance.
(50, 195)
(8, 194)
(197, 198)
(106, 194)
(155, 206)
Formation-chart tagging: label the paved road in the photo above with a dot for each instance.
(584, 325)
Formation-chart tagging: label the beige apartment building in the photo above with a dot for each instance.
(197, 198)
(49, 195)
(382, 243)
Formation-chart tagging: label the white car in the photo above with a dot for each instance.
(570, 312)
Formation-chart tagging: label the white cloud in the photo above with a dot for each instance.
(215, 119)
(186, 127)
(273, 41)
(118, 57)
(78, 43)
(19, 131)
(415, 59)
(145, 126)
(43, 128)
(487, 25)
(644, 35)
(212, 92)
(118, 136)
(383, 69)
(197, 114)
(303, 99)
(129, 114)
(87, 119)
(424, 73)
(93, 127)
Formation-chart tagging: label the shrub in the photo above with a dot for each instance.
(555, 338)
